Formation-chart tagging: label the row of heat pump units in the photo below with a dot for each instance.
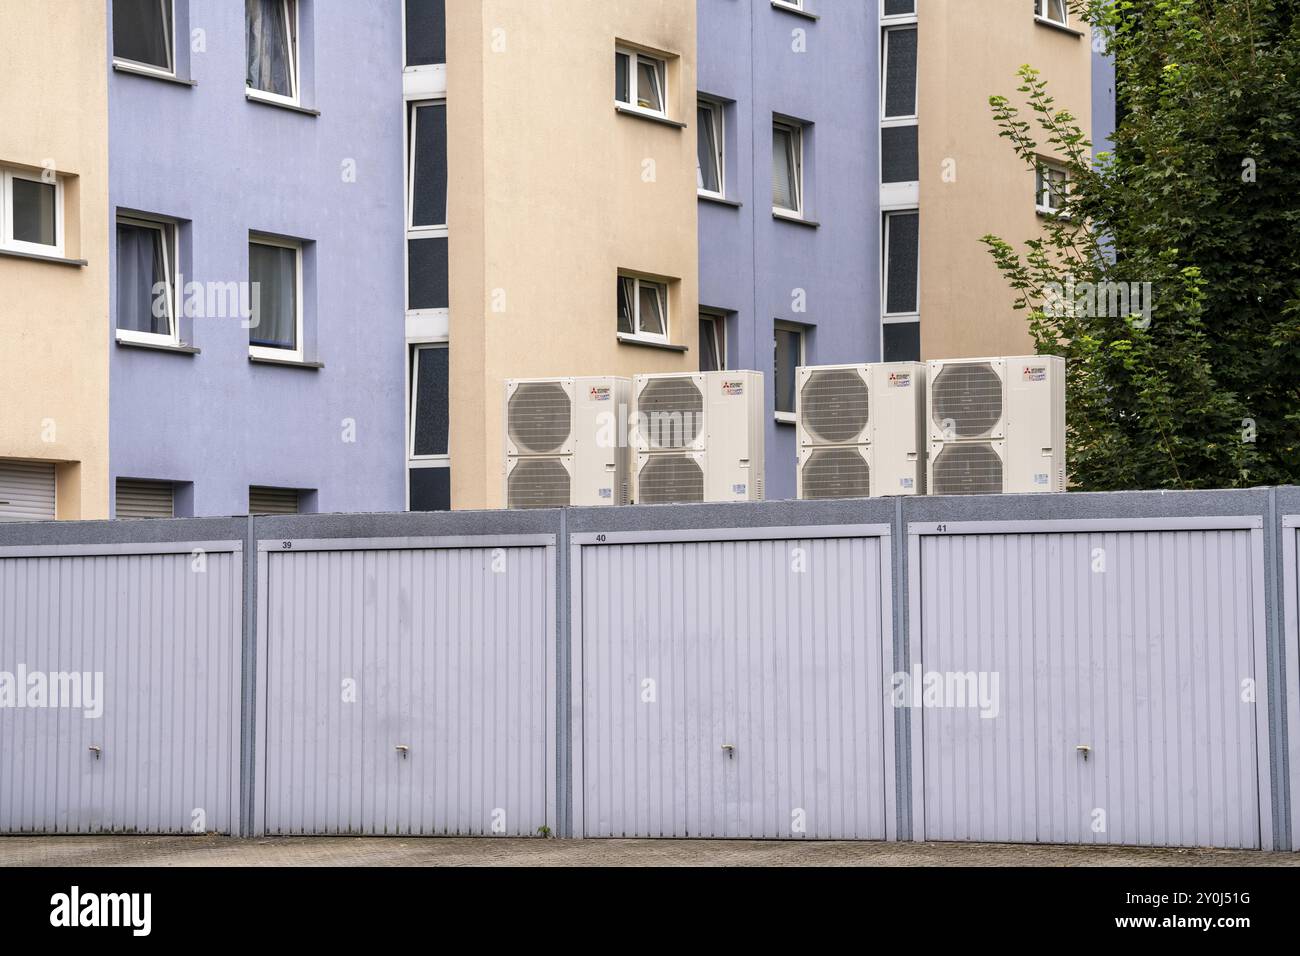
(960, 426)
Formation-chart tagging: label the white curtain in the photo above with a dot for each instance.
(784, 192)
(139, 269)
(707, 148)
(268, 47)
(274, 269)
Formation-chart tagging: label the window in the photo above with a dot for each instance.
(709, 146)
(899, 8)
(146, 281)
(898, 100)
(429, 401)
(144, 35)
(642, 309)
(787, 168)
(31, 212)
(1050, 191)
(899, 155)
(902, 263)
(272, 28)
(789, 346)
(713, 342)
(640, 81)
(427, 167)
(426, 32)
(789, 4)
(275, 277)
(902, 342)
(1053, 11)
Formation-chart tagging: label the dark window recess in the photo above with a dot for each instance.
(427, 259)
(898, 8)
(430, 186)
(426, 32)
(900, 73)
(903, 342)
(789, 356)
(904, 240)
(142, 32)
(899, 162)
(430, 489)
(431, 402)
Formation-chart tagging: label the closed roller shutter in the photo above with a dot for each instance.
(26, 491)
(272, 501)
(145, 499)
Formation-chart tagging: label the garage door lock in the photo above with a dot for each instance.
(403, 749)
(730, 750)
(1085, 750)
(95, 750)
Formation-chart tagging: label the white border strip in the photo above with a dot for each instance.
(1068, 525)
(276, 545)
(796, 533)
(100, 550)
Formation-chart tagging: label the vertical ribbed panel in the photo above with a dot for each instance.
(445, 655)
(1143, 662)
(167, 640)
(743, 649)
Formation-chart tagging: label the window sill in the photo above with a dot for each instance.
(666, 346)
(1044, 213)
(38, 257)
(720, 200)
(1044, 22)
(649, 117)
(796, 220)
(288, 363)
(291, 107)
(174, 349)
(798, 12)
(784, 418)
(120, 67)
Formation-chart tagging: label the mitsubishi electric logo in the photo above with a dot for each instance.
(76, 909)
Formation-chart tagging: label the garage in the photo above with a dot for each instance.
(731, 684)
(1127, 666)
(403, 687)
(119, 683)
(26, 490)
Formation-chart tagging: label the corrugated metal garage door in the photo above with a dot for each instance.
(732, 688)
(161, 631)
(1291, 640)
(1127, 666)
(26, 491)
(405, 691)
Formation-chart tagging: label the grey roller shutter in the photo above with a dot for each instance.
(145, 499)
(272, 501)
(26, 491)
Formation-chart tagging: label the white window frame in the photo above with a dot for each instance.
(892, 19)
(414, 366)
(719, 323)
(294, 97)
(1043, 12)
(796, 131)
(887, 316)
(800, 360)
(266, 351)
(637, 334)
(909, 119)
(171, 256)
(715, 107)
(7, 240)
(431, 230)
(149, 67)
(1043, 192)
(635, 57)
(790, 5)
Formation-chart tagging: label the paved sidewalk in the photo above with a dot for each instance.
(406, 851)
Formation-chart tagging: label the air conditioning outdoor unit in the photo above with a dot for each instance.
(996, 425)
(565, 442)
(861, 430)
(698, 436)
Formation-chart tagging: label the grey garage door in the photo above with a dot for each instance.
(119, 674)
(731, 688)
(26, 490)
(1125, 668)
(404, 690)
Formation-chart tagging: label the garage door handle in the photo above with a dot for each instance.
(403, 749)
(95, 750)
(1084, 749)
(730, 750)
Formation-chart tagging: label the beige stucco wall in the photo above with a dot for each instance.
(551, 196)
(53, 318)
(969, 51)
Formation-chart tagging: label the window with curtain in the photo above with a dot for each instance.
(143, 33)
(428, 165)
(713, 342)
(1054, 10)
(640, 80)
(146, 301)
(709, 146)
(273, 274)
(642, 308)
(272, 47)
(789, 356)
(787, 160)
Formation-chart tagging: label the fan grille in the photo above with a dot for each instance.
(538, 483)
(666, 479)
(973, 469)
(969, 397)
(539, 417)
(836, 473)
(670, 412)
(833, 405)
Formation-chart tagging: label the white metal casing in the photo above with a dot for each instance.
(593, 453)
(721, 456)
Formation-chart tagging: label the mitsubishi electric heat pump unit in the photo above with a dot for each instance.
(861, 430)
(565, 442)
(996, 425)
(698, 436)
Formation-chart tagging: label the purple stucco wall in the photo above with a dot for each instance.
(226, 166)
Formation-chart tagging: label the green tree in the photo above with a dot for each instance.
(1199, 202)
